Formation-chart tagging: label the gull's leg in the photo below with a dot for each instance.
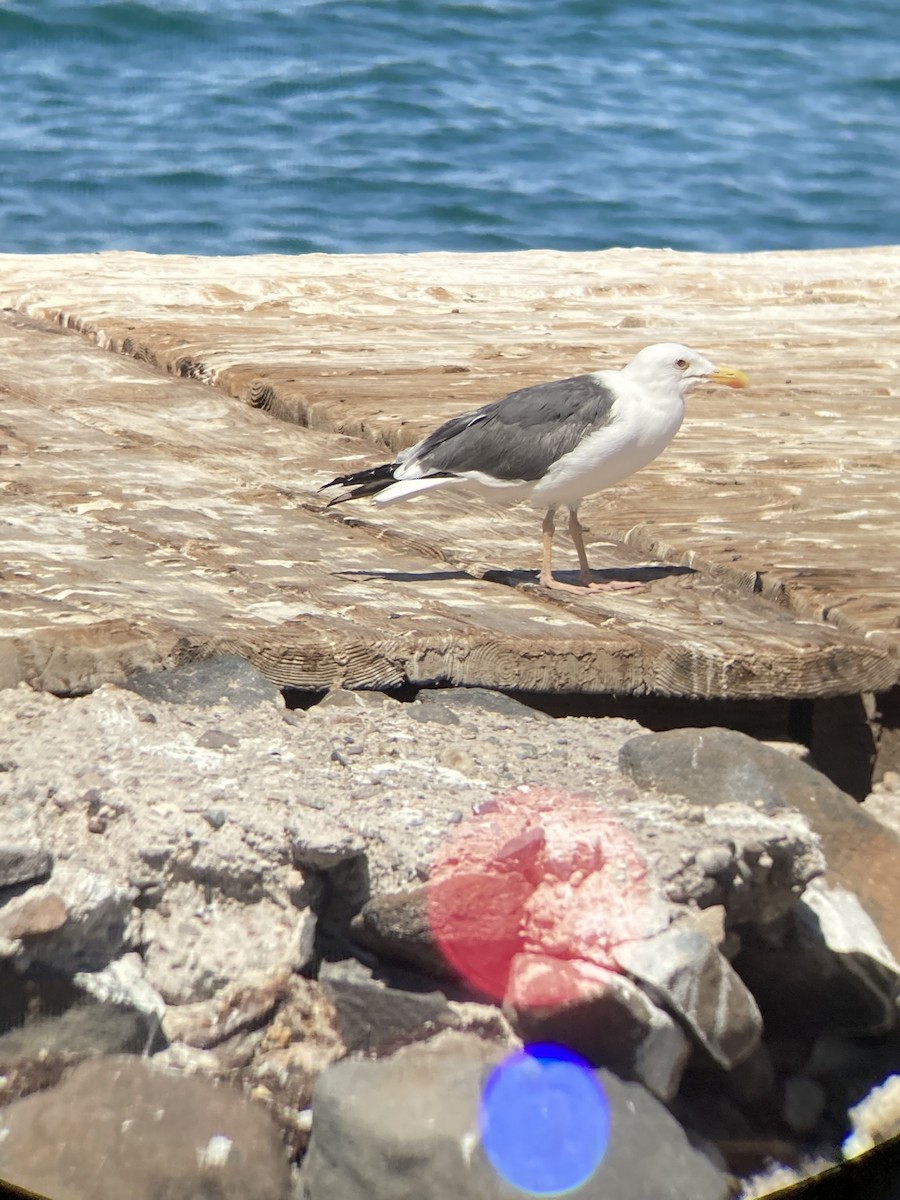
(614, 585)
(576, 532)
(546, 576)
(587, 584)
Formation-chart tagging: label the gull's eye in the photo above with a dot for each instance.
(681, 364)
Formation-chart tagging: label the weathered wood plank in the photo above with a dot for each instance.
(192, 530)
(141, 502)
(384, 347)
(698, 637)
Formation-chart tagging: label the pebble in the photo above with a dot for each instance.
(713, 860)
(217, 739)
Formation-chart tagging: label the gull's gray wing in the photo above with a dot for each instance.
(518, 437)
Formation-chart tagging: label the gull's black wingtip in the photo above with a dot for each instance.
(368, 482)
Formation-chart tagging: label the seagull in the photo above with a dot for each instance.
(552, 444)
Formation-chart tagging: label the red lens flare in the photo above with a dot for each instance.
(537, 871)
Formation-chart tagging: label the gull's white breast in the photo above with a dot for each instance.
(641, 426)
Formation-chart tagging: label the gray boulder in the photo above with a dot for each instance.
(375, 1015)
(826, 969)
(207, 682)
(407, 1128)
(36, 1055)
(689, 977)
(600, 1014)
(711, 767)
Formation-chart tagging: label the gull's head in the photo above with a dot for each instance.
(671, 365)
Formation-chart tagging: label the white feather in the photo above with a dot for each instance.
(405, 488)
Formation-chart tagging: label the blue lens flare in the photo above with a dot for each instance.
(544, 1120)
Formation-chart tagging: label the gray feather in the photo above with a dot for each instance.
(520, 436)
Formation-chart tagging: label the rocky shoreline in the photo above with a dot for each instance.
(306, 936)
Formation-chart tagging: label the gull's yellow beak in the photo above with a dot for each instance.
(730, 376)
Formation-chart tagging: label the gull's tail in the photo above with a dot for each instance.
(363, 483)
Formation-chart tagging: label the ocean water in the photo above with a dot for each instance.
(248, 126)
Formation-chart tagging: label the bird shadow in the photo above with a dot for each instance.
(611, 575)
(515, 578)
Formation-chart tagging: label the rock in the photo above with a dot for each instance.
(857, 945)
(599, 1014)
(718, 766)
(414, 1117)
(796, 750)
(123, 983)
(187, 1060)
(353, 701)
(243, 1004)
(276, 1043)
(433, 714)
(27, 916)
(303, 1035)
(875, 1120)
(193, 949)
(826, 969)
(300, 1041)
(476, 919)
(398, 926)
(207, 682)
(417, 1108)
(318, 842)
(10, 948)
(94, 931)
(546, 873)
(217, 739)
(711, 922)
(542, 871)
(20, 863)
(484, 1021)
(686, 974)
(884, 806)
(376, 1018)
(121, 1126)
(710, 767)
(37, 1055)
(468, 699)
(397, 803)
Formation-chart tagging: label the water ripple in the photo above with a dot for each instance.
(241, 126)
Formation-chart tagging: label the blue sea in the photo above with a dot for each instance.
(247, 126)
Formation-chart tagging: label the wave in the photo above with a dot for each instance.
(111, 23)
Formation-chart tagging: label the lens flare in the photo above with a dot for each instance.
(544, 1120)
(537, 872)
